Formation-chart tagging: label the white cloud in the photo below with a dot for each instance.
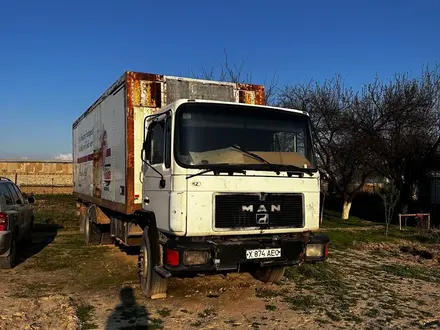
(64, 157)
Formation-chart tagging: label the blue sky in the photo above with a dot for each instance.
(57, 57)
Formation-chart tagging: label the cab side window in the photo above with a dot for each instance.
(7, 195)
(168, 142)
(157, 143)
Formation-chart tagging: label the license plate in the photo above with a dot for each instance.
(263, 253)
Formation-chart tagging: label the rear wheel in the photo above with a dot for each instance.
(269, 275)
(10, 261)
(92, 234)
(82, 221)
(152, 284)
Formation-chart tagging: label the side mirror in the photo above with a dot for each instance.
(162, 183)
(31, 199)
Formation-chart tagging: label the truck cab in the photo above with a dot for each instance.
(201, 175)
(227, 187)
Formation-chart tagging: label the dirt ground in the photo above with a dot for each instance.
(61, 284)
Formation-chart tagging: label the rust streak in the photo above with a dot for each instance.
(258, 89)
(118, 207)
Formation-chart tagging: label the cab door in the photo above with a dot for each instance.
(157, 171)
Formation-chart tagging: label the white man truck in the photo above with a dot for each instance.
(201, 175)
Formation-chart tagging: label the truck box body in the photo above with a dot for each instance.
(108, 137)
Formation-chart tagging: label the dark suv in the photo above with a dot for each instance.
(16, 221)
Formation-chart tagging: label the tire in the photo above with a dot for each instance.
(92, 233)
(11, 260)
(269, 275)
(106, 237)
(152, 284)
(82, 220)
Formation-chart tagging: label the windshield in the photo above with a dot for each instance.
(212, 134)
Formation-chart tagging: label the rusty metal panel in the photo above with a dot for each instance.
(151, 95)
(258, 90)
(177, 88)
(247, 97)
(138, 84)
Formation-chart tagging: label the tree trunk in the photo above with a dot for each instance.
(346, 209)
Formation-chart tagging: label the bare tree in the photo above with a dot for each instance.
(237, 73)
(401, 122)
(341, 152)
(389, 194)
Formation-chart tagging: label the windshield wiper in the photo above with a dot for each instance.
(275, 167)
(217, 171)
(257, 157)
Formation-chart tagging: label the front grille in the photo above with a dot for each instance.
(247, 210)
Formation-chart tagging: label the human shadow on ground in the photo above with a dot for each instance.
(129, 315)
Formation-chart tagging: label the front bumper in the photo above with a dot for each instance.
(230, 255)
(5, 243)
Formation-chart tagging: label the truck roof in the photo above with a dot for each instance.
(177, 103)
(135, 82)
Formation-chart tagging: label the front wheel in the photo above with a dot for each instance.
(269, 275)
(152, 284)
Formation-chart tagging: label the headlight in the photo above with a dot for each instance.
(315, 250)
(195, 257)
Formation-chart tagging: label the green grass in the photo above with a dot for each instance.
(36, 289)
(271, 308)
(341, 240)
(196, 324)
(207, 312)
(301, 301)
(373, 312)
(164, 312)
(266, 293)
(84, 312)
(56, 210)
(93, 267)
(332, 219)
(319, 286)
(414, 272)
(154, 324)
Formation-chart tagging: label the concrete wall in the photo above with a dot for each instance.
(39, 177)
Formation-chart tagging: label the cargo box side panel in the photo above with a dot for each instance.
(99, 153)
(83, 156)
(113, 165)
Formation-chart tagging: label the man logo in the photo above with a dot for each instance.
(262, 218)
(261, 208)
